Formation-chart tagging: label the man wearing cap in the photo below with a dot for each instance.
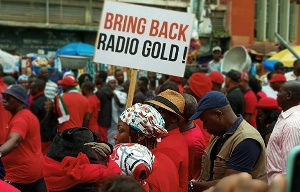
(72, 108)
(234, 93)
(217, 80)
(198, 85)
(170, 104)
(277, 81)
(292, 75)
(286, 132)
(21, 152)
(235, 147)
(215, 64)
(250, 100)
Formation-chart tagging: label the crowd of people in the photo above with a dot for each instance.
(202, 132)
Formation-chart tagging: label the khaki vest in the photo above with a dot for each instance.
(244, 131)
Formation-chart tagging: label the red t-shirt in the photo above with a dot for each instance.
(7, 187)
(94, 107)
(196, 144)
(25, 163)
(206, 135)
(164, 176)
(77, 106)
(175, 147)
(250, 106)
(4, 115)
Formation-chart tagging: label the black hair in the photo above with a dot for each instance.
(82, 77)
(102, 75)
(144, 80)
(234, 75)
(271, 115)
(168, 85)
(90, 86)
(40, 84)
(118, 70)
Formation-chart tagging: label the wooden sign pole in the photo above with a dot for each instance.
(131, 88)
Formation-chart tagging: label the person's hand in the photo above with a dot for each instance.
(243, 182)
(48, 105)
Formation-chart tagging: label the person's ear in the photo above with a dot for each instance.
(175, 118)
(289, 95)
(219, 114)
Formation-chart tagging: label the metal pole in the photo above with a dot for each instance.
(283, 42)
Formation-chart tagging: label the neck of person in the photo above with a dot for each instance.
(289, 105)
(186, 125)
(19, 108)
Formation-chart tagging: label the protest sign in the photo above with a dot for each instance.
(145, 38)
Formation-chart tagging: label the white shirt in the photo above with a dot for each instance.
(285, 136)
(214, 66)
(267, 89)
(290, 76)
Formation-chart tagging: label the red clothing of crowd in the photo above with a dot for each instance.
(25, 164)
(164, 176)
(71, 171)
(5, 115)
(77, 106)
(94, 107)
(250, 106)
(175, 147)
(196, 145)
(206, 135)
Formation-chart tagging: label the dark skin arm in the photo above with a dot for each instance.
(13, 141)
(201, 186)
(86, 120)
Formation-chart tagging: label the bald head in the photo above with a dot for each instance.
(289, 95)
(190, 106)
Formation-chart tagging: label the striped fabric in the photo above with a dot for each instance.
(51, 90)
(285, 136)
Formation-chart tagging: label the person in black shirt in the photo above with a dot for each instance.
(234, 93)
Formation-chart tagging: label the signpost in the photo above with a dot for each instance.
(144, 38)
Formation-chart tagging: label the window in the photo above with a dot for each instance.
(276, 16)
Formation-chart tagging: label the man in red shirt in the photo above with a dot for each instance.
(71, 106)
(194, 137)
(250, 100)
(198, 85)
(21, 153)
(170, 104)
(94, 105)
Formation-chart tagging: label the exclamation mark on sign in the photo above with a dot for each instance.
(184, 55)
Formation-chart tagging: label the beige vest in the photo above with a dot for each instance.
(244, 131)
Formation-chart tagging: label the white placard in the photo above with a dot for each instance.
(145, 38)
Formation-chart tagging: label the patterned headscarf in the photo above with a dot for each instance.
(133, 159)
(145, 119)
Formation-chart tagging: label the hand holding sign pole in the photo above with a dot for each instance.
(144, 38)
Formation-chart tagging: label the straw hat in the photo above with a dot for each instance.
(171, 101)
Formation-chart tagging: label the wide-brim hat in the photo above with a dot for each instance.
(171, 101)
(17, 91)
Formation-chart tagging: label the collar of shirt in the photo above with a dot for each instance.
(290, 111)
(234, 127)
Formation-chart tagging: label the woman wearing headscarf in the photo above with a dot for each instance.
(76, 162)
(144, 125)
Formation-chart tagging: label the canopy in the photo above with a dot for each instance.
(80, 49)
(285, 57)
